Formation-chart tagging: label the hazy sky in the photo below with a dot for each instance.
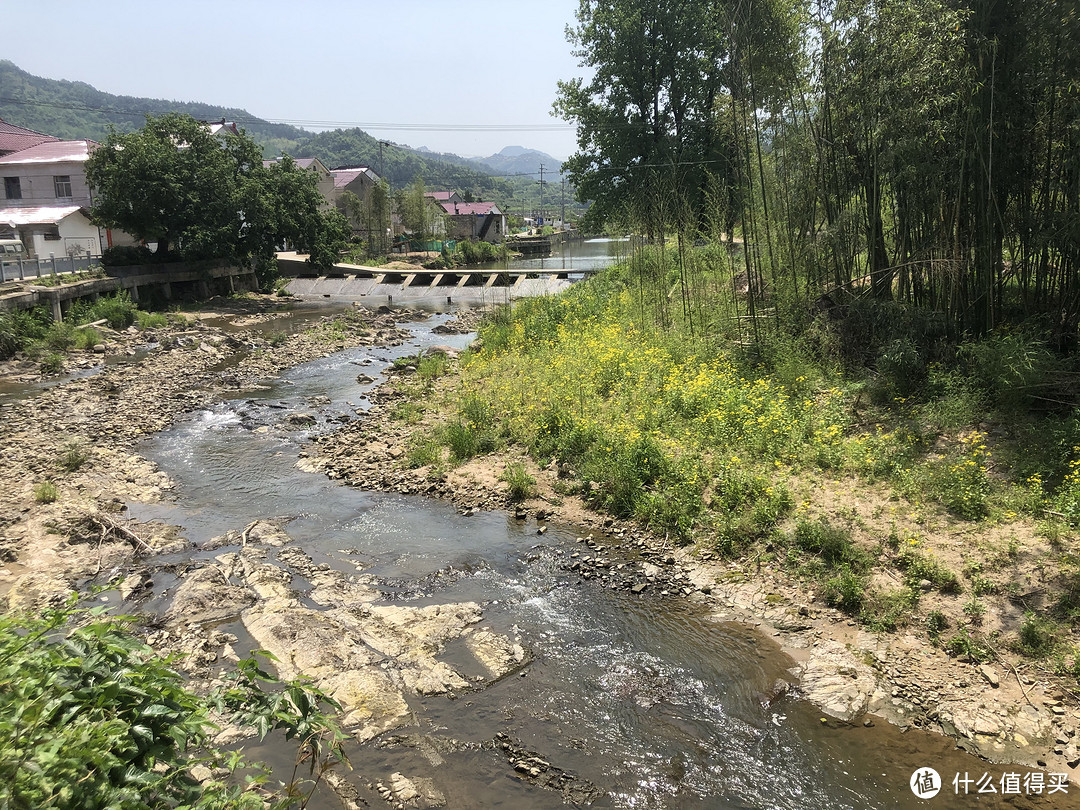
(427, 63)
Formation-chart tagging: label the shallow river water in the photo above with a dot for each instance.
(644, 696)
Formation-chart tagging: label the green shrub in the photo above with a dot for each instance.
(124, 255)
(1038, 636)
(118, 310)
(151, 320)
(46, 492)
(1012, 370)
(846, 590)
(74, 456)
(277, 338)
(918, 567)
(521, 484)
(87, 338)
(473, 434)
(91, 717)
(19, 328)
(902, 367)
(962, 644)
(885, 612)
(423, 452)
(432, 366)
(468, 439)
(52, 363)
(832, 544)
(60, 337)
(936, 622)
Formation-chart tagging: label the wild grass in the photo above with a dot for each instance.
(697, 430)
(46, 492)
(520, 484)
(74, 456)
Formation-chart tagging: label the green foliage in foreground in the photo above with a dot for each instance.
(91, 717)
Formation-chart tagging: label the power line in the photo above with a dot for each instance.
(368, 125)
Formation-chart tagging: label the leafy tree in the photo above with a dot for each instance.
(202, 196)
(369, 215)
(418, 214)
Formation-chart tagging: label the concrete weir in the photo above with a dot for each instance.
(382, 286)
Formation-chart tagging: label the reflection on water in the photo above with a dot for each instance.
(576, 255)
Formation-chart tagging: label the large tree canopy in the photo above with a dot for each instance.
(648, 137)
(202, 196)
(919, 152)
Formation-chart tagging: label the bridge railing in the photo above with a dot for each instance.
(30, 269)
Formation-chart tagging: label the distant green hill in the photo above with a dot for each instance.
(400, 165)
(76, 110)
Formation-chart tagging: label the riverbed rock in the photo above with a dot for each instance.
(36, 590)
(498, 654)
(837, 681)
(989, 676)
(206, 595)
(266, 533)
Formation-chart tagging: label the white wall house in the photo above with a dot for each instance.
(45, 199)
(484, 221)
(325, 182)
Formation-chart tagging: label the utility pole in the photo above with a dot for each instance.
(382, 163)
(389, 214)
(541, 214)
(562, 198)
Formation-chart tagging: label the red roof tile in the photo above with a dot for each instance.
(342, 177)
(13, 138)
(479, 209)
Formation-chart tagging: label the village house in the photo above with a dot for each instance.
(483, 221)
(442, 197)
(325, 178)
(46, 199)
(360, 181)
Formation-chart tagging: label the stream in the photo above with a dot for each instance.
(643, 696)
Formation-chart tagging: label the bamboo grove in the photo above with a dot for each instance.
(922, 155)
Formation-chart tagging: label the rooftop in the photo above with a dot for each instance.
(15, 138)
(41, 215)
(479, 209)
(50, 152)
(342, 177)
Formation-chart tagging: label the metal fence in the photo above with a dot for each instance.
(30, 269)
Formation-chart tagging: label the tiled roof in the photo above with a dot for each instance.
(14, 138)
(50, 152)
(342, 177)
(479, 209)
(43, 215)
(440, 196)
